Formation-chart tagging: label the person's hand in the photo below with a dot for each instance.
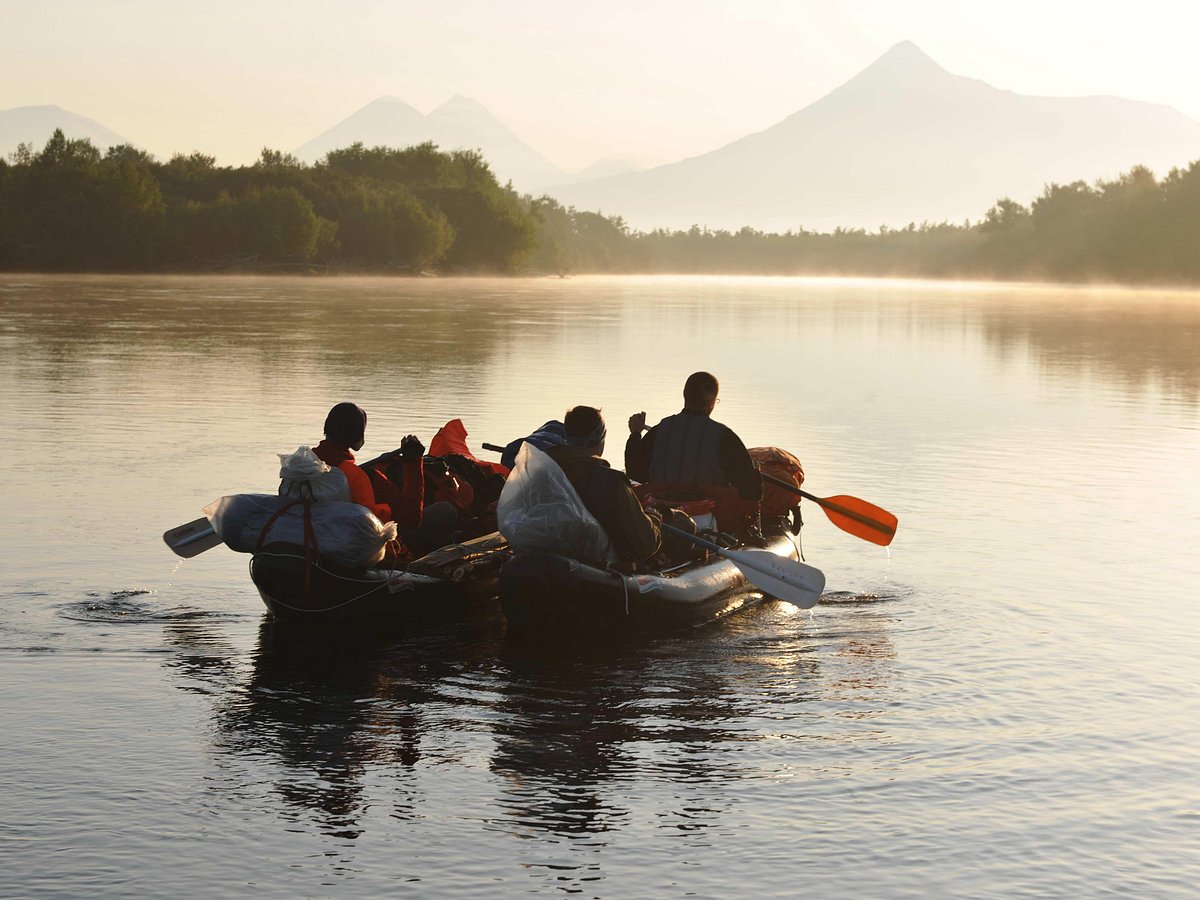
(637, 423)
(411, 447)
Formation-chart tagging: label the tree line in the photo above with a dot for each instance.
(1134, 229)
(70, 207)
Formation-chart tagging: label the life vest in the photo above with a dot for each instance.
(687, 449)
(779, 506)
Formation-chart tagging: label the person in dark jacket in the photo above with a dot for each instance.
(690, 448)
(635, 533)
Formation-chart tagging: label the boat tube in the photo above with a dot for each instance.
(440, 586)
(542, 592)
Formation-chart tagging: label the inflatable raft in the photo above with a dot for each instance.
(555, 593)
(441, 586)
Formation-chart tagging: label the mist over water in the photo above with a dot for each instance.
(1005, 703)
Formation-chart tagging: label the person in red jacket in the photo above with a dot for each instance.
(345, 432)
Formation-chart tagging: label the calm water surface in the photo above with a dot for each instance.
(1007, 703)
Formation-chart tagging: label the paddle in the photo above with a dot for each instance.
(857, 517)
(783, 578)
(192, 539)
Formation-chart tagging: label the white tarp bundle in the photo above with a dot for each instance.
(303, 472)
(540, 512)
(347, 534)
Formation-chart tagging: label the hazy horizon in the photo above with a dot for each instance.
(580, 84)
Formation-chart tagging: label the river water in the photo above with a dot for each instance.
(1006, 703)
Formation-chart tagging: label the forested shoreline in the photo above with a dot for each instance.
(71, 208)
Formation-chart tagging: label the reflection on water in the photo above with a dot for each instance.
(328, 716)
(1151, 343)
(1002, 704)
(67, 328)
(320, 712)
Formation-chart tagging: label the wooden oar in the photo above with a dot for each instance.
(192, 539)
(857, 517)
(783, 578)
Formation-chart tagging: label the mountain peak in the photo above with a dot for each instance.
(904, 61)
(460, 105)
(387, 101)
(35, 124)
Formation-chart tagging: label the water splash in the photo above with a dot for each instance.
(135, 606)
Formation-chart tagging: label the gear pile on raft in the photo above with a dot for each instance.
(697, 527)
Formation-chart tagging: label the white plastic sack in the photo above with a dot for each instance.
(540, 512)
(347, 534)
(304, 471)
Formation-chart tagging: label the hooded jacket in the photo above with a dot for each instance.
(607, 494)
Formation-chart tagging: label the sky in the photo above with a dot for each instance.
(644, 81)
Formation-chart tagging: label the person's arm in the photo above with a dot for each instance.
(406, 499)
(739, 468)
(361, 491)
(411, 506)
(640, 530)
(639, 450)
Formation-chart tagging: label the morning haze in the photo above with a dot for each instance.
(241, 242)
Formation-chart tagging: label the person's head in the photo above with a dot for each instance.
(346, 425)
(700, 391)
(585, 428)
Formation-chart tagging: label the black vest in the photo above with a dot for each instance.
(687, 449)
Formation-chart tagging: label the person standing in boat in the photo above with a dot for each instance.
(345, 432)
(689, 448)
(633, 531)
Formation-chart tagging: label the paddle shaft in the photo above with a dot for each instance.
(198, 536)
(192, 538)
(827, 504)
(495, 448)
(695, 539)
(783, 578)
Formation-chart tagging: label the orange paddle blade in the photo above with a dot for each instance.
(859, 518)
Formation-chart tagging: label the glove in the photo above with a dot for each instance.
(411, 447)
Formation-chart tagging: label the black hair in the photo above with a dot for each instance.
(580, 421)
(346, 424)
(700, 388)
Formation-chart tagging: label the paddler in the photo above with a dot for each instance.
(690, 448)
(634, 533)
(345, 432)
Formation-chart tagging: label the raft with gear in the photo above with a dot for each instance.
(318, 558)
(545, 592)
(450, 583)
(549, 591)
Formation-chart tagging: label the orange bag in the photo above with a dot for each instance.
(775, 461)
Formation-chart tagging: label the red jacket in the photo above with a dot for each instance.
(361, 491)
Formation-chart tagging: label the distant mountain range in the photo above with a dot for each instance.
(902, 141)
(459, 123)
(35, 124)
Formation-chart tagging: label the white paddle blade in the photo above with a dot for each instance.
(192, 539)
(785, 579)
